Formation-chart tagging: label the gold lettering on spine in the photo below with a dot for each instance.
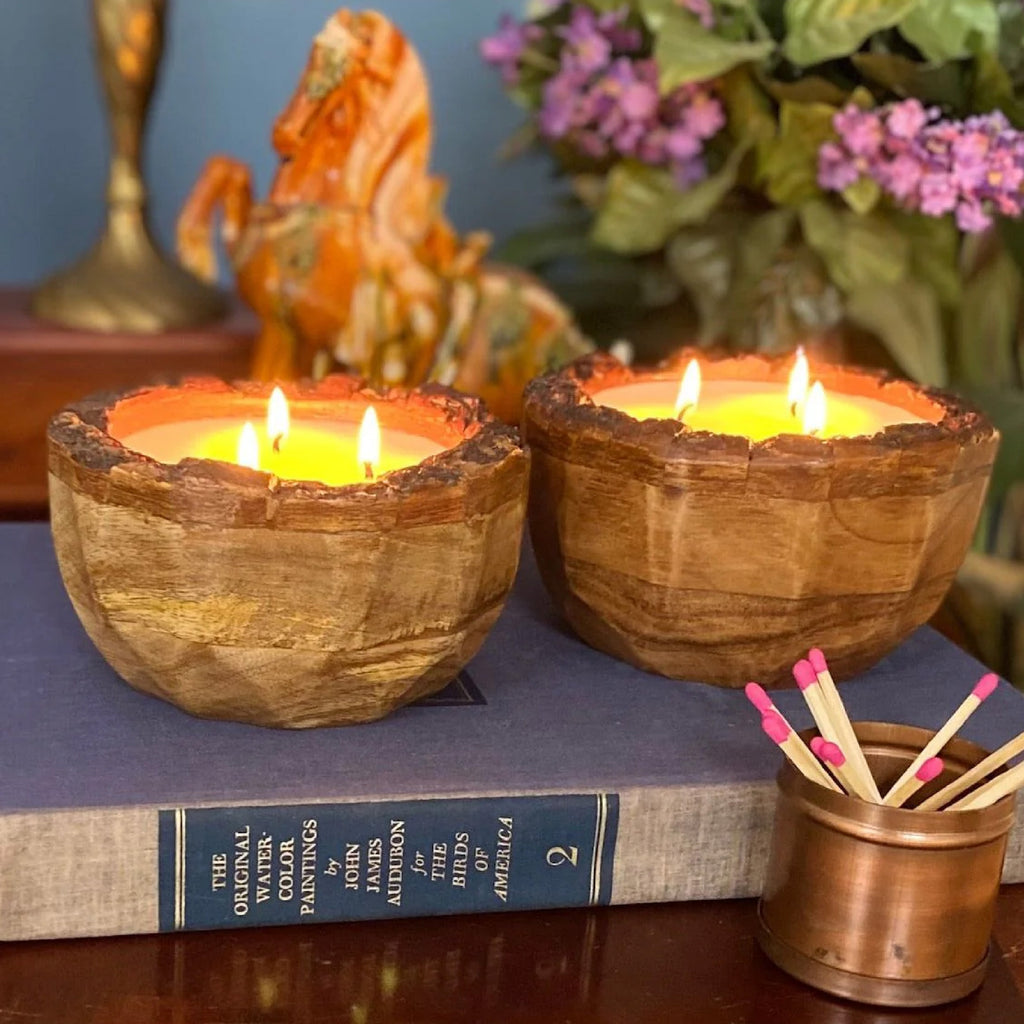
(396, 857)
(503, 859)
(240, 877)
(307, 869)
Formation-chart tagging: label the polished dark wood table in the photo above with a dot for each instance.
(693, 963)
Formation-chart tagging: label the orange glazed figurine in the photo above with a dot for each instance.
(351, 260)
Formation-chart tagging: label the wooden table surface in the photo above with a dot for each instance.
(693, 963)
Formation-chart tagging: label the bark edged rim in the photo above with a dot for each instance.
(564, 399)
(474, 439)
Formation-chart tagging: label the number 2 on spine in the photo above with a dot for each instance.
(559, 855)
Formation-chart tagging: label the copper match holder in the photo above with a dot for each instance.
(883, 905)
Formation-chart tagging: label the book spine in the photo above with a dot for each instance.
(111, 871)
(117, 871)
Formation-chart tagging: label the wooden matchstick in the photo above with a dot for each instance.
(993, 790)
(757, 696)
(931, 769)
(807, 680)
(781, 733)
(903, 786)
(832, 757)
(845, 736)
(937, 801)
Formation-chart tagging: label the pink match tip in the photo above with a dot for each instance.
(816, 744)
(804, 674)
(817, 660)
(833, 754)
(775, 726)
(931, 769)
(757, 696)
(985, 685)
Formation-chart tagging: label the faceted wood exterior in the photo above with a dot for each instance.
(236, 595)
(709, 557)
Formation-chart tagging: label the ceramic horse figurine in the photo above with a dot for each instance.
(350, 261)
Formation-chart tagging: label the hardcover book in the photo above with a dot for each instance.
(546, 775)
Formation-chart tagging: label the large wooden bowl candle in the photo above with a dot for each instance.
(720, 552)
(235, 592)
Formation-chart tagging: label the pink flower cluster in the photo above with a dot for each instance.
(972, 168)
(603, 98)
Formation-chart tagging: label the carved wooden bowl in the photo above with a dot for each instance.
(710, 557)
(233, 594)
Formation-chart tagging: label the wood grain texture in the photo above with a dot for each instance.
(43, 368)
(712, 558)
(236, 595)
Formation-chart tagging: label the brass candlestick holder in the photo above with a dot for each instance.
(125, 282)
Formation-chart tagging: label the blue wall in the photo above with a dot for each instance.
(229, 67)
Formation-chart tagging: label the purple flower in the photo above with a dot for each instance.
(861, 130)
(505, 48)
(682, 144)
(902, 176)
(588, 48)
(704, 116)
(837, 169)
(972, 218)
(603, 96)
(907, 119)
(972, 169)
(939, 194)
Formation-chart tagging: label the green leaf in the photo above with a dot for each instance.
(906, 318)
(951, 29)
(789, 166)
(1012, 234)
(946, 84)
(636, 214)
(863, 195)
(703, 258)
(993, 89)
(685, 51)
(989, 324)
(722, 263)
(644, 206)
(818, 30)
(934, 251)
(748, 110)
(1005, 407)
(860, 251)
(809, 89)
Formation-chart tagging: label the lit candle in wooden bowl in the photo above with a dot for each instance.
(317, 567)
(705, 534)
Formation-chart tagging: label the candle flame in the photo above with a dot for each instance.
(689, 390)
(278, 419)
(799, 380)
(248, 447)
(815, 410)
(369, 443)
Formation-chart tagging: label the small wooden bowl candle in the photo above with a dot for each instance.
(708, 555)
(234, 593)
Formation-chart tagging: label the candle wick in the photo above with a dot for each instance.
(794, 406)
(276, 445)
(368, 468)
(683, 410)
(813, 433)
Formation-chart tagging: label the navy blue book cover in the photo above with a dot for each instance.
(529, 782)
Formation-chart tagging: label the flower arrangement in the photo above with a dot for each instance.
(796, 168)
